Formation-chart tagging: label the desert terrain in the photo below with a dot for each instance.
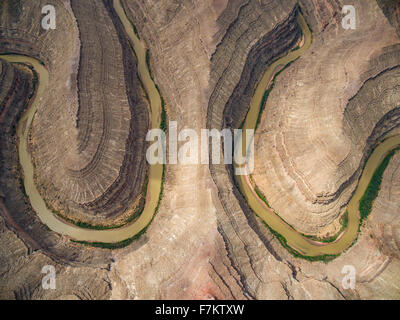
(77, 191)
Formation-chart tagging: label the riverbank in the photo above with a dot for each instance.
(110, 237)
(298, 244)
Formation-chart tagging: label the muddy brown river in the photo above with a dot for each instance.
(155, 172)
(294, 238)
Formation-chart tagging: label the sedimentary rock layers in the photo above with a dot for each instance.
(236, 228)
(385, 220)
(102, 163)
(173, 258)
(88, 136)
(17, 87)
(272, 45)
(324, 116)
(130, 183)
(391, 9)
(364, 98)
(325, 113)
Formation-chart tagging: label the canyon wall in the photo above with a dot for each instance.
(88, 135)
(323, 118)
(321, 121)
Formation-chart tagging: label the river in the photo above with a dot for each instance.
(155, 172)
(294, 239)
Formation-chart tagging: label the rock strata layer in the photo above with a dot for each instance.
(325, 114)
(323, 118)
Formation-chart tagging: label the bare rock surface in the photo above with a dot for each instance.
(88, 134)
(324, 115)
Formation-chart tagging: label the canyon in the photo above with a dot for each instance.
(324, 116)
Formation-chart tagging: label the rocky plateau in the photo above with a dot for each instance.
(323, 118)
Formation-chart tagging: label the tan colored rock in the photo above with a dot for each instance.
(322, 118)
(205, 243)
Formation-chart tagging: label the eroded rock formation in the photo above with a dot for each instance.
(322, 119)
(87, 138)
(320, 126)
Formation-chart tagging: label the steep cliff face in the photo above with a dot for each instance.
(384, 230)
(115, 128)
(385, 221)
(391, 9)
(273, 44)
(27, 245)
(89, 115)
(181, 36)
(191, 214)
(227, 68)
(334, 103)
(323, 117)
